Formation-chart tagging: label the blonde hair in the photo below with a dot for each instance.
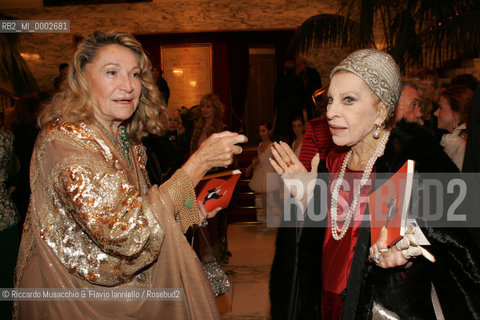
(217, 124)
(172, 111)
(74, 103)
(214, 100)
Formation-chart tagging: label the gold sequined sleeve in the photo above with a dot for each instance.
(94, 220)
(109, 210)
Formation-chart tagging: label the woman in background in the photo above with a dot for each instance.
(210, 121)
(167, 153)
(298, 128)
(452, 114)
(10, 225)
(261, 166)
(25, 129)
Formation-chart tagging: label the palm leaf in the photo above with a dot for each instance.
(416, 32)
(453, 38)
(322, 31)
(405, 45)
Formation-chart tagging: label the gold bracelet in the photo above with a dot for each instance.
(180, 188)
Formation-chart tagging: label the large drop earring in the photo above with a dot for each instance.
(376, 133)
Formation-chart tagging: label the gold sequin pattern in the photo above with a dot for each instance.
(89, 211)
(141, 158)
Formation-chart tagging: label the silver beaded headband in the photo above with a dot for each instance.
(379, 71)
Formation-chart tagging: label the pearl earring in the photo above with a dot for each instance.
(376, 133)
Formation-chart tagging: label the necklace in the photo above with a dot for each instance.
(122, 145)
(339, 233)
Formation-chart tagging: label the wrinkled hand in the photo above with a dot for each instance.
(410, 247)
(216, 151)
(204, 215)
(285, 160)
(219, 148)
(401, 253)
(294, 175)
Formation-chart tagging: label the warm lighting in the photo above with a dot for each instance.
(177, 72)
(30, 56)
(381, 44)
(193, 83)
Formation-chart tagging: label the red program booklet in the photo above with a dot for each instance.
(389, 204)
(216, 190)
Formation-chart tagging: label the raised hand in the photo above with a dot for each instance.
(294, 175)
(285, 160)
(217, 151)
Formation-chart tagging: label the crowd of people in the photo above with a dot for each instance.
(102, 178)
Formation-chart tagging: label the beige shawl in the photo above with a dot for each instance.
(93, 223)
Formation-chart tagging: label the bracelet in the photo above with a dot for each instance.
(180, 188)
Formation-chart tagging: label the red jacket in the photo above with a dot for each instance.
(317, 138)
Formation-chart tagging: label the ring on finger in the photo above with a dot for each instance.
(377, 257)
(291, 163)
(204, 224)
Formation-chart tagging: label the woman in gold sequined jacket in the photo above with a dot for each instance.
(95, 222)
